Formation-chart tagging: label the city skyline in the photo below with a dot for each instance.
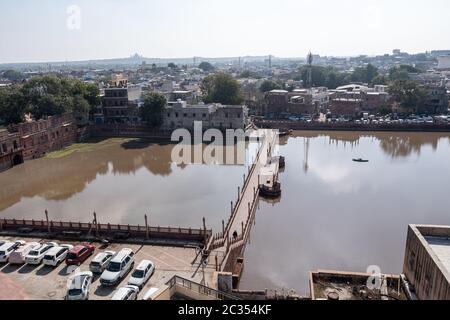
(82, 30)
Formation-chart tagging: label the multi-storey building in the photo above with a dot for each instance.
(181, 115)
(10, 150)
(40, 137)
(282, 104)
(120, 102)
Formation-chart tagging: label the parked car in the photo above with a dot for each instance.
(18, 256)
(9, 247)
(126, 293)
(79, 286)
(101, 261)
(78, 254)
(120, 265)
(56, 255)
(36, 255)
(142, 274)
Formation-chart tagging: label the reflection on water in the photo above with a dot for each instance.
(338, 214)
(121, 180)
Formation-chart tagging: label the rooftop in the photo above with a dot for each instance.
(441, 248)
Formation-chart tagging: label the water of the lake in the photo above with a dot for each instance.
(333, 214)
(121, 180)
(342, 215)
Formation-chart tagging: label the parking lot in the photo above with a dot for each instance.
(44, 282)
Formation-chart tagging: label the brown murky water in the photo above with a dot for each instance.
(333, 214)
(338, 214)
(121, 181)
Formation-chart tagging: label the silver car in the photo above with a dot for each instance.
(101, 261)
(79, 286)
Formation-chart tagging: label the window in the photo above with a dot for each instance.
(226, 114)
(5, 148)
(184, 115)
(193, 115)
(176, 114)
(204, 115)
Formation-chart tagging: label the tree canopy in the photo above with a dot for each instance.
(47, 96)
(269, 85)
(13, 75)
(408, 94)
(323, 77)
(365, 74)
(151, 111)
(221, 88)
(206, 66)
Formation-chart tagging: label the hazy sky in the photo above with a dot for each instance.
(37, 30)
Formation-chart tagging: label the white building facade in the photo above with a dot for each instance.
(181, 115)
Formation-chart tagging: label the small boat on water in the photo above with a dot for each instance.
(284, 132)
(270, 192)
(360, 160)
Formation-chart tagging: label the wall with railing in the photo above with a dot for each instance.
(101, 230)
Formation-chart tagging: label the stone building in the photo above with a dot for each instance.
(181, 115)
(346, 107)
(120, 102)
(10, 150)
(282, 104)
(40, 137)
(436, 100)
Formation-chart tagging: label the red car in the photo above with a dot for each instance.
(79, 254)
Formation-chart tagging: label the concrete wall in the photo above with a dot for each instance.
(422, 267)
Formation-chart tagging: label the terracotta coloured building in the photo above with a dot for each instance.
(10, 150)
(40, 137)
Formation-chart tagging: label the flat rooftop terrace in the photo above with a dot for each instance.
(441, 248)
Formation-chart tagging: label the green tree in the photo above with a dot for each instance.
(408, 94)
(12, 105)
(402, 72)
(151, 111)
(171, 65)
(13, 75)
(206, 66)
(385, 109)
(221, 88)
(322, 77)
(47, 96)
(365, 74)
(269, 85)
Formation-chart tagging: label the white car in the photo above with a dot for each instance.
(18, 256)
(101, 261)
(56, 255)
(9, 247)
(36, 255)
(126, 293)
(79, 286)
(142, 274)
(118, 268)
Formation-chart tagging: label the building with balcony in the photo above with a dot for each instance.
(179, 114)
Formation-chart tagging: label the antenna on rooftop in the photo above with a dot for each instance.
(270, 61)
